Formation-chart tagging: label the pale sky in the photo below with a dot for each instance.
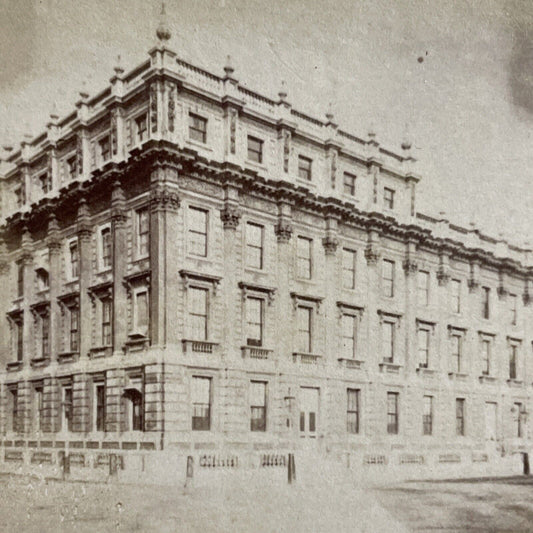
(468, 106)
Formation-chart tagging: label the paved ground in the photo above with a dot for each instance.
(31, 505)
(472, 505)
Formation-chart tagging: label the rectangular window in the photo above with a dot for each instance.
(201, 403)
(45, 336)
(427, 420)
(20, 279)
(255, 149)
(423, 348)
(304, 168)
(66, 408)
(74, 259)
(456, 349)
(349, 184)
(141, 128)
(304, 248)
(143, 233)
(99, 407)
(198, 219)
(38, 408)
(72, 167)
(254, 321)
(105, 247)
(388, 278)
(460, 417)
(518, 413)
(392, 413)
(513, 305)
(14, 410)
(304, 317)
(197, 128)
(388, 342)
(485, 357)
(423, 288)
(352, 411)
(74, 316)
(198, 299)
(388, 198)
(45, 182)
(349, 335)
(105, 149)
(43, 279)
(107, 313)
(254, 245)
(455, 287)
(258, 405)
(512, 361)
(348, 268)
(135, 409)
(20, 196)
(141, 312)
(485, 302)
(19, 339)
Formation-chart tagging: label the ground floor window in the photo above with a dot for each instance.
(201, 403)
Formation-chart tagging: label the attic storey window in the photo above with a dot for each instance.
(72, 167)
(349, 184)
(141, 128)
(104, 146)
(45, 182)
(197, 128)
(255, 149)
(304, 168)
(388, 198)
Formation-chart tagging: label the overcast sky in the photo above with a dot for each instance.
(468, 105)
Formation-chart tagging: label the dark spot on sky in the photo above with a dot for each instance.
(420, 59)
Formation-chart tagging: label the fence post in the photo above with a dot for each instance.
(190, 471)
(525, 459)
(291, 469)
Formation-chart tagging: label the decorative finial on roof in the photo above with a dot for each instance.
(6, 145)
(119, 70)
(372, 134)
(329, 113)
(83, 91)
(163, 31)
(228, 67)
(283, 92)
(27, 135)
(407, 143)
(54, 116)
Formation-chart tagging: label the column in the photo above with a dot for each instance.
(330, 243)
(164, 256)
(114, 387)
(24, 407)
(80, 403)
(28, 329)
(84, 250)
(120, 308)
(5, 336)
(54, 251)
(410, 268)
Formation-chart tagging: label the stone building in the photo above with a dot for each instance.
(190, 266)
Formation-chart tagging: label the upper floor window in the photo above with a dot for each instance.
(66, 408)
(198, 219)
(107, 313)
(104, 147)
(352, 410)
(201, 403)
(304, 317)
(423, 347)
(45, 182)
(20, 279)
(348, 184)
(198, 307)
(143, 232)
(105, 247)
(455, 290)
(460, 416)
(72, 167)
(13, 397)
(427, 417)
(258, 405)
(197, 128)
(388, 278)
(43, 279)
(392, 413)
(518, 411)
(456, 353)
(303, 256)
(388, 198)
(388, 341)
(20, 195)
(254, 321)
(349, 335)
(485, 302)
(348, 268)
(73, 328)
(254, 245)
(74, 259)
(513, 306)
(45, 336)
(18, 337)
(255, 149)
(141, 313)
(513, 353)
(423, 287)
(304, 168)
(485, 357)
(141, 128)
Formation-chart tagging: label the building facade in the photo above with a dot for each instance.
(189, 266)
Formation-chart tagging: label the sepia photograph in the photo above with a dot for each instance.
(266, 267)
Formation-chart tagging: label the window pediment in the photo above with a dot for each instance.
(206, 280)
(101, 291)
(71, 299)
(302, 299)
(254, 288)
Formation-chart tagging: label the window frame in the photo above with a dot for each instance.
(73, 260)
(249, 340)
(252, 246)
(198, 135)
(103, 141)
(142, 232)
(388, 198)
(456, 298)
(206, 425)
(423, 293)
(427, 418)
(106, 322)
(460, 416)
(353, 411)
(354, 317)
(191, 244)
(307, 260)
(349, 273)
(305, 168)
(393, 416)
(485, 303)
(136, 329)
(350, 186)
(258, 152)
(191, 289)
(140, 134)
(388, 284)
(391, 325)
(262, 425)
(100, 406)
(423, 351)
(310, 310)
(102, 248)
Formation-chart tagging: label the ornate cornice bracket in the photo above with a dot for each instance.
(443, 277)
(230, 217)
(283, 231)
(330, 243)
(162, 198)
(410, 267)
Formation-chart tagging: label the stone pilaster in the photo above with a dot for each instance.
(24, 407)
(5, 289)
(373, 256)
(118, 221)
(114, 385)
(410, 267)
(84, 250)
(154, 387)
(81, 403)
(48, 423)
(27, 264)
(54, 251)
(331, 243)
(164, 256)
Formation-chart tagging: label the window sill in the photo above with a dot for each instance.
(136, 342)
(200, 145)
(39, 362)
(484, 378)
(67, 357)
(100, 351)
(390, 368)
(306, 358)
(256, 352)
(193, 346)
(515, 383)
(457, 376)
(423, 371)
(306, 183)
(13, 366)
(351, 363)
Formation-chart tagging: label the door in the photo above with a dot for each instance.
(308, 412)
